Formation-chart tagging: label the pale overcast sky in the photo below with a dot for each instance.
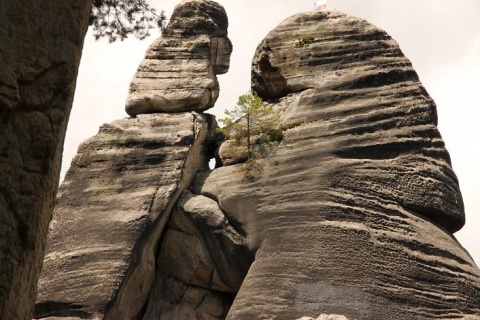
(440, 37)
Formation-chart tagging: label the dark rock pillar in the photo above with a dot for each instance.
(40, 49)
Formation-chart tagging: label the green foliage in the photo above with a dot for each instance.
(117, 19)
(291, 125)
(304, 41)
(251, 117)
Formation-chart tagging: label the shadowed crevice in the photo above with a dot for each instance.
(60, 309)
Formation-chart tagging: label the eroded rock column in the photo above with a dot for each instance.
(111, 212)
(179, 70)
(109, 250)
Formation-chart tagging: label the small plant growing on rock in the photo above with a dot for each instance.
(250, 118)
(304, 41)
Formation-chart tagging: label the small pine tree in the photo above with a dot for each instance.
(250, 117)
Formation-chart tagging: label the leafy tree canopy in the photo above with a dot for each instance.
(251, 117)
(117, 19)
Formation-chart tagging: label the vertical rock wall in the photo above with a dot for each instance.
(41, 43)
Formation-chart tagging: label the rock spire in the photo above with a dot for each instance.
(179, 70)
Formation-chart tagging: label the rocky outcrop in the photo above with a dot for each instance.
(102, 245)
(179, 70)
(350, 216)
(353, 213)
(40, 48)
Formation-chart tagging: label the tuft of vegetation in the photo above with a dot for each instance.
(117, 19)
(251, 171)
(304, 41)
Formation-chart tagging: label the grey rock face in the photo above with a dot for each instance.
(40, 48)
(353, 213)
(179, 70)
(354, 75)
(351, 216)
(111, 212)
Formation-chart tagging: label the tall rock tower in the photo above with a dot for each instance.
(179, 70)
(118, 196)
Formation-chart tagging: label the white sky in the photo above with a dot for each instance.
(440, 37)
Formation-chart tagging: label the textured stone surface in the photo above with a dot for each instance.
(202, 263)
(326, 317)
(352, 214)
(40, 48)
(111, 211)
(179, 70)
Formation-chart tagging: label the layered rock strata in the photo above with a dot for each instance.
(353, 213)
(350, 216)
(111, 212)
(179, 70)
(40, 49)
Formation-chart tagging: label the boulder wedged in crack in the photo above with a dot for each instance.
(111, 211)
(201, 263)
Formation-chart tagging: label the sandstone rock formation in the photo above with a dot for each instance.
(102, 259)
(102, 244)
(40, 48)
(179, 70)
(353, 213)
(350, 216)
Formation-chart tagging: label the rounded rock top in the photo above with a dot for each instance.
(179, 71)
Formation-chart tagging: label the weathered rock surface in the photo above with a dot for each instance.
(202, 263)
(352, 214)
(179, 70)
(40, 49)
(326, 317)
(111, 212)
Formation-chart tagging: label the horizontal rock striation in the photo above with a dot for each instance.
(179, 70)
(353, 213)
(354, 76)
(111, 212)
(350, 216)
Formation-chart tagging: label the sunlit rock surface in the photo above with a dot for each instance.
(179, 70)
